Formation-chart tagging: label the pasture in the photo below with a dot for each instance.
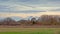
(19, 30)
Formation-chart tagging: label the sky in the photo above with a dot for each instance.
(24, 8)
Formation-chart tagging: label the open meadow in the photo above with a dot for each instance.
(29, 30)
(29, 16)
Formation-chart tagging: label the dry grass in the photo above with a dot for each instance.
(31, 29)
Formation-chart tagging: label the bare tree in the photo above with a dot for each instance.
(33, 20)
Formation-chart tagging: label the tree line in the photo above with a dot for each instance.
(42, 20)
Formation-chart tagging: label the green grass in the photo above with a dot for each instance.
(26, 33)
(30, 30)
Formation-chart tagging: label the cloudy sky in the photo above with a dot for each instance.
(25, 8)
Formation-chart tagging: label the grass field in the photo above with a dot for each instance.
(29, 30)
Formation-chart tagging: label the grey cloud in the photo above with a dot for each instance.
(58, 9)
(29, 3)
(27, 11)
(34, 2)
